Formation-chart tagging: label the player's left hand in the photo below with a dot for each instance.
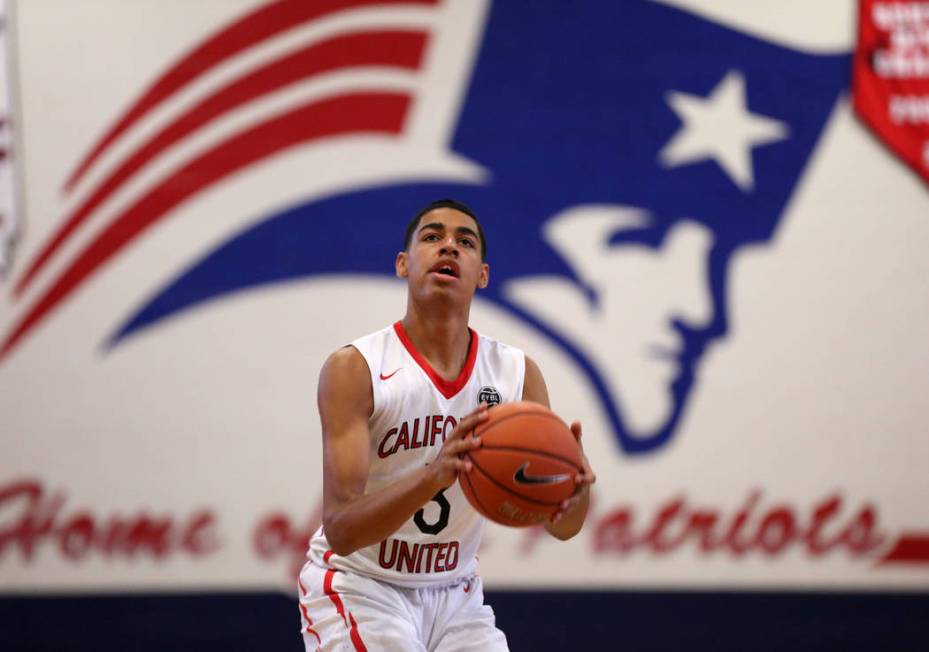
(582, 480)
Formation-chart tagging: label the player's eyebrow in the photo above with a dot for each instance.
(435, 226)
(438, 226)
(463, 230)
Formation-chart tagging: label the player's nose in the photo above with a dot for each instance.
(449, 247)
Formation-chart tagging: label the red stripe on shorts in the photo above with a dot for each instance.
(356, 637)
(309, 623)
(337, 601)
(306, 614)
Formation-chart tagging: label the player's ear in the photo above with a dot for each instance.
(484, 279)
(400, 265)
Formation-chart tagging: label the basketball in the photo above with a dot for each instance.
(525, 466)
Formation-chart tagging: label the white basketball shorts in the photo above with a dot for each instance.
(344, 611)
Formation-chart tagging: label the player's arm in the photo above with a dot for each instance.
(568, 520)
(351, 518)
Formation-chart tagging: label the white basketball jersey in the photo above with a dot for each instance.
(414, 410)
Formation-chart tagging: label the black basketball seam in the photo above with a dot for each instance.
(474, 493)
(517, 449)
(545, 415)
(510, 491)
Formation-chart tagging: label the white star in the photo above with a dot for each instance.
(722, 128)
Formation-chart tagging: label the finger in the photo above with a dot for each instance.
(463, 445)
(584, 480)
(458, 465)
(586, 470)
(576, 429)
(566, 506)
(589, 472)
(481, 407)
(470, 422)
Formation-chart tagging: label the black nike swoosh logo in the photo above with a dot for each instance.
(521, 477)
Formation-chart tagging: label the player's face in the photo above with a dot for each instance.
(444, 256)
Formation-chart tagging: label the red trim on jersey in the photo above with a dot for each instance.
(326, 556)
(448, 388)
(337, 601)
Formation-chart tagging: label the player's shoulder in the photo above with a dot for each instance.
(354, 357)
(491, 344)
(345, 361)
(356, 350)
(495, 351)
(375, 341)
(345, 383)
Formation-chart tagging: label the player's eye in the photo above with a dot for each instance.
(466, 242)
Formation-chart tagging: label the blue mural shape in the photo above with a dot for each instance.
(592, 119)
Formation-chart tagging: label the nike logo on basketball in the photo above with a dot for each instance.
(521, 477)
(383, 377)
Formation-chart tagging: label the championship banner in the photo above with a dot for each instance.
(891, 77)
(710, 259)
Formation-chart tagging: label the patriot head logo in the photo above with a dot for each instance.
(617, 153)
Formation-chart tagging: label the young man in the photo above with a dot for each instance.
(394, 565)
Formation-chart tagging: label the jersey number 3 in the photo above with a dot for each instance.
(441, 522)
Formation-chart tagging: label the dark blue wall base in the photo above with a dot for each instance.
(640, 621)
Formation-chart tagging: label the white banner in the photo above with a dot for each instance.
(718, 270)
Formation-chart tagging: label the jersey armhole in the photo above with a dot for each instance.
(371, 378)
(521, 374)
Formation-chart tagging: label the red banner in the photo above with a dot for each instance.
(891, 76)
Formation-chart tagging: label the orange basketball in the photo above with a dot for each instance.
(525, 466)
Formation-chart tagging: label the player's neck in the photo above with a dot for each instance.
(441, 336)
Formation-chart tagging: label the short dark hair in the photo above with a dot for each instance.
(445, 203)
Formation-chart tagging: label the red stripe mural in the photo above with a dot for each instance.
(395, 49)
(357, 112)
(251, 29)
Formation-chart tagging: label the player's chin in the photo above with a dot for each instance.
(444, 286)
(454, 295)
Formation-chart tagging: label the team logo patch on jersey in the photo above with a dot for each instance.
(489, 395)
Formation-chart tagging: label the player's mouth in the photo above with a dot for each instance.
(447, 268)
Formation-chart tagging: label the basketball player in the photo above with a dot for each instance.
(394, 565)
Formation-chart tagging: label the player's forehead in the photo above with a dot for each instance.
(446, 219)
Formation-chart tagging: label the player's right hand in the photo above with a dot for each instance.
(443, 470)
